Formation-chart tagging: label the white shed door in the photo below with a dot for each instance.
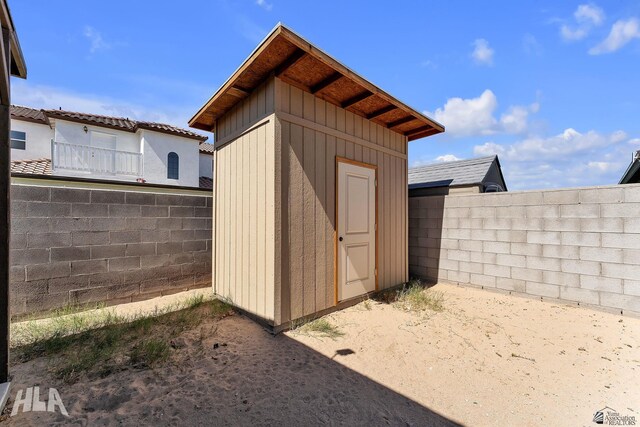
(356, 230)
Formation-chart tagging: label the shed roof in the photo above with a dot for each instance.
(461, 172)
(120, 123)
(18, 67)
(301, 64)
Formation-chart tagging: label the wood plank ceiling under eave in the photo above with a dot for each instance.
(297, 62)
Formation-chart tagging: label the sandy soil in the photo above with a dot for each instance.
(487, 359)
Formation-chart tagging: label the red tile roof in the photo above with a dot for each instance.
(206, 148)
(28, 114)
(121, 123)
(206, 182)
(31, 167)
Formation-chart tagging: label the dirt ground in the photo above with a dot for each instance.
(486, 359)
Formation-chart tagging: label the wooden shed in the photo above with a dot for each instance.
(310, 182)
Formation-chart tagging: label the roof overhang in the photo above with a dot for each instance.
(632, 174)
(18, 64)
(288, 56)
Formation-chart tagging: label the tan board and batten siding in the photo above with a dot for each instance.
(276, 195)
(243, 267)
(313, 133)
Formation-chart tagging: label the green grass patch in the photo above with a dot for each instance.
(319, 328)
(415, 297)
(101, 342)
(148, 353)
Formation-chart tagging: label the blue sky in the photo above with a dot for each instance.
(552, 87)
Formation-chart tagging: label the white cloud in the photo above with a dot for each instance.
(465, 117)
(264, 4)
(427, 63)
(570, 158)
(622, 32)
(489, 149)
(531, 45)
(571, 34)
(475, 116)
(447, 158)
(516, 119)
(602, 166)
(38, 96)
(587, 16)
(589, 13)
(564, 144)
(97, 42)
(249, 29)
(482, 52)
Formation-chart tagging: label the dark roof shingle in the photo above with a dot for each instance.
(206, 183)
(461, 172)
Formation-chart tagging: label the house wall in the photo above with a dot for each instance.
(313, 132)
(104, 243)
(38, 144)
(73, 133)
(579, 245)
(244, 232)
(156, 147)
(206, 165)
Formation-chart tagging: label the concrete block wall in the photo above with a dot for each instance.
(84, 245)
(580, 245)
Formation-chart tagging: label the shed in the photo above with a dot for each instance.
(310, 178)
(479, 175)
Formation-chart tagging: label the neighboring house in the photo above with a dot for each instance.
(206, 165)
(311, 177)
(481, 175)
(632, 174)
(105, 148)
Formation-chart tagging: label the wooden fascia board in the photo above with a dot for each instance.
(234, 77)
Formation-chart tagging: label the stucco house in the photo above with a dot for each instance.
(310, 197)
(206, 165)
(479, 175)
(66, 143)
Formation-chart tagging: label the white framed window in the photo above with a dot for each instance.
(18, 140)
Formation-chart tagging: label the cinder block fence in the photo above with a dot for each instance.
(84, 245)
(579, 245)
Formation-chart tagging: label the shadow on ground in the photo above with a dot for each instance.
(249, 378)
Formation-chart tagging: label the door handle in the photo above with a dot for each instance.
(340, 238)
